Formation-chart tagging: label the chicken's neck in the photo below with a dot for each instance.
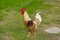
(26, 16)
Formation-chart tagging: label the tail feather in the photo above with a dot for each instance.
(38, 18)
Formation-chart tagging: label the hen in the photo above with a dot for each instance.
(30, 23)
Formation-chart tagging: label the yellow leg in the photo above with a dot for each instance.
(28, 34)
(35, 34)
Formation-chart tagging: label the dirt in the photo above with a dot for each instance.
(9, 17)
(53, 30)
(6, 36)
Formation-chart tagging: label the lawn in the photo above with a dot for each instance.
(11, 24)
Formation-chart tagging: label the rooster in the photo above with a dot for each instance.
(30, 23)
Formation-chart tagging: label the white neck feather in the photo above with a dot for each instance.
(26, 16)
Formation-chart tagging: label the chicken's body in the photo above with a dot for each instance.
(31, 24)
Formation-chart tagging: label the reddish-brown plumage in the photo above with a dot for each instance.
(23, 10)
(30, 25)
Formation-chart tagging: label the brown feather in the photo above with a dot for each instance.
(30, 25)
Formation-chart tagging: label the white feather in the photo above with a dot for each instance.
(38, 16)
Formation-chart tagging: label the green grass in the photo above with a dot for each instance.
(11, 21)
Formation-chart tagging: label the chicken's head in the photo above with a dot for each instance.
(23, 10)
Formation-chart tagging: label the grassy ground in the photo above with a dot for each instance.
(11, 24)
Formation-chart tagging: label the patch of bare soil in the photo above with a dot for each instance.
(8, 18)
(53, 30)
(6, 36)
(52, 2)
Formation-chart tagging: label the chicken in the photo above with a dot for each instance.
(30, 23)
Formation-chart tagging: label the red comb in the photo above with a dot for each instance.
(23, 10)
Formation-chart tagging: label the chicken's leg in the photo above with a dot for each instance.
(29, 34)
